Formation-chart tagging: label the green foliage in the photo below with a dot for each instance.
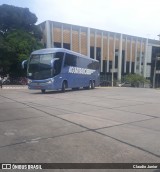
(22, 44)
(135, 80)
(19, 36)
(6, 54)
(12, 17)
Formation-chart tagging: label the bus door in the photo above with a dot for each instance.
(71, 62)
(56, 64)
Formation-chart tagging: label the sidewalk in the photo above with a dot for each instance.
(14, 87)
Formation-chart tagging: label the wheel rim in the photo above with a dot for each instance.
(90, 85)
(93, 84)
(63, 86)
(43, 91)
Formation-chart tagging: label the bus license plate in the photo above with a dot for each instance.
(37, 86)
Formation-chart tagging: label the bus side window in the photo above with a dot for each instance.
(57, 67)
(70, 60)
(60, 55)
(58, 63)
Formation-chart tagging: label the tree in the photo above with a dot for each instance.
(22, 44)
(135, 79)
(19, 36)
(12, 17)
(6, 55)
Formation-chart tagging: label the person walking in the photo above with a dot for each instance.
(0, 81)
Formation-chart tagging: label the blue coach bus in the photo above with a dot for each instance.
(59, 69)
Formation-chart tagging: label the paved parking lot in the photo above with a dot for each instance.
(113, 125)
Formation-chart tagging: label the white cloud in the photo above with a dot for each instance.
(137, 17)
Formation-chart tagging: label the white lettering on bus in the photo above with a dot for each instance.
(78, 70)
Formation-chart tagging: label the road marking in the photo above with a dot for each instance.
(4, 87)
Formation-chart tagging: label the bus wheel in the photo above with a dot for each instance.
(76, 88)
(43, 91)
(93, 84)
(64, 86)
(90, 85)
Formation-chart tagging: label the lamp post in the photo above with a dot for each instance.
(112, 76)
(154, 75)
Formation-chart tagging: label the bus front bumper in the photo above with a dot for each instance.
(41, 85)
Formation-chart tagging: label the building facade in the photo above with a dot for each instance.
(119, 54)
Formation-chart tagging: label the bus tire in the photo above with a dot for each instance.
(64, 86)
(93, 84)
(90, 85)
(76, 88)
(85, 88)
(43, 91)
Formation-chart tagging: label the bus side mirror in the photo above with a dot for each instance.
(53, 61)
(24, 64)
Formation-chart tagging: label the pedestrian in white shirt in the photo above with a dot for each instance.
(0, 81)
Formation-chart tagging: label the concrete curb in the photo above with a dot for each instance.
(14, 87)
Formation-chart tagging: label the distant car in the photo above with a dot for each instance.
(125, 84)
(5, 81)
(105, 83)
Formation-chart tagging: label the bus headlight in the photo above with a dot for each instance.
(50, 81)
(29, 81)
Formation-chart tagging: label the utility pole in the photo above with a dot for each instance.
(112, 77)
(154, 75)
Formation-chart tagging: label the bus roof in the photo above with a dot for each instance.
(54, 50)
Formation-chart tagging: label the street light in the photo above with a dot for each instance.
(154, 75)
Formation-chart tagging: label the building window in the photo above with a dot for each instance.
(66, 45)
(92, 52)
(57, 44)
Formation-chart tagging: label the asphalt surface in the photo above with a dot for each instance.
(104, 125)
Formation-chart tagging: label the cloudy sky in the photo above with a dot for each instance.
(133, 17)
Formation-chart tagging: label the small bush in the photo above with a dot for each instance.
(135, 80)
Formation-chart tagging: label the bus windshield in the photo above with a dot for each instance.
(40, 66)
